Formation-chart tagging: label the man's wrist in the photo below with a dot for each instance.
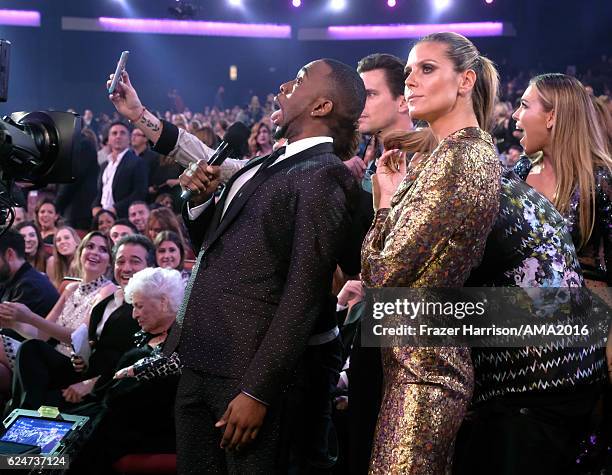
(137, 115)
(198, 199)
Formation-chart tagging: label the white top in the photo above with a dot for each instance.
(107, 180)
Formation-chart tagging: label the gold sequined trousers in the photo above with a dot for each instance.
(426, 395)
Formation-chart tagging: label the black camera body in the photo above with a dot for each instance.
(35, 147)
(39, 147)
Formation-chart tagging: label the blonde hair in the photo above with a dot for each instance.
(420, 140)
(64, 266)
(577, 144)
(464, 56)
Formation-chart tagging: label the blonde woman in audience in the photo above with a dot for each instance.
(260, 141)
(62, 263)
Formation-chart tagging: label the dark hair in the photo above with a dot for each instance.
(172, 237)
(347, 92)
(138, 240)
(118, 122)
(13, 239)
(96, 219)
(166, 219)
(207, 136)
(39, 260)
(44, 201)
(89, 135)
(126, 222)
(138, 202)
(464, 56)
(391, 65)
(223, 124)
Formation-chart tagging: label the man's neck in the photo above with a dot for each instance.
(15, 265)
(403, 122)
(115, 154)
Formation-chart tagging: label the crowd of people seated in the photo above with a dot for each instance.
(93, 274)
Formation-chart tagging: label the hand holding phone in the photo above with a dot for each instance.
(119, 71)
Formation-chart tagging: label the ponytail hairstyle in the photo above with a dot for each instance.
(464, 56)
(578, 144)
(420, 140)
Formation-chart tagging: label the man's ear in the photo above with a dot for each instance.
(323, 107)
(402, 107)
(468, 79)
(9, 254)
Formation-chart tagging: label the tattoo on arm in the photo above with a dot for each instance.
(149, 124)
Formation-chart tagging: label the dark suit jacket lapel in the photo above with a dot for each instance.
(252, 163)
(96, 316)
(249, 188)
(119, 170)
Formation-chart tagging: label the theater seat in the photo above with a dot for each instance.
(146, 464)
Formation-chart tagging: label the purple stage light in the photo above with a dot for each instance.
(386, 32)
(297, 3)
(391, 3)
(20, 17)
(488, 2)
(198, 28)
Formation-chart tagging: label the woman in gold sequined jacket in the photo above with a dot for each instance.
(430, 228)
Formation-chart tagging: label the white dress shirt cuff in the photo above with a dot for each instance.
(195, 212)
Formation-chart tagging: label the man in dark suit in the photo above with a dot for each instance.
(385, 111)
(74, 200)
(111, 325)
(123, 178)
(19, 281)
(251, 310)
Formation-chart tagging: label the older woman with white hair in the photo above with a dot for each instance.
(138, 416)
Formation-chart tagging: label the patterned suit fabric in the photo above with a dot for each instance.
(263, 277)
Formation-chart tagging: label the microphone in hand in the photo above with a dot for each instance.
(199, 182)
(235, 137)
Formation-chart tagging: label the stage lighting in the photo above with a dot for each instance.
(338, 4)
(488, 2)
(391, 3)
(235, 3)
(441, 5)
(296, 3)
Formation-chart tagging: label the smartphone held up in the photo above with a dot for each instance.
(118, 71)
